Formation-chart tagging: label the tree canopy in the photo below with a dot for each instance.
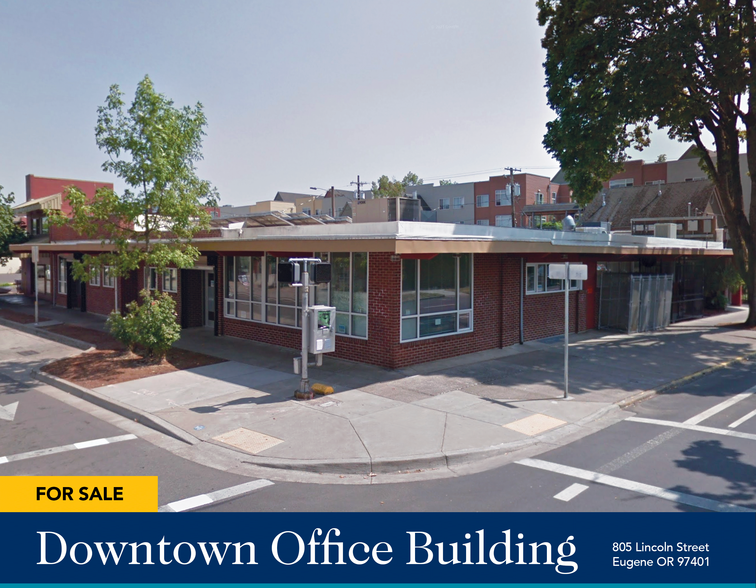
(153, 147)
(10, 231)
(613, 68)
(393, 188)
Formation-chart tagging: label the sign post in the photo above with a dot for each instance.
(567, 272)
(35, 261)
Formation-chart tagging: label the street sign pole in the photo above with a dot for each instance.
(563, 271)
(566, 329)
(35, 261)
(304, 382)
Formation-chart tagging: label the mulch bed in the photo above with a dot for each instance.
(111, 363)
(19, 317)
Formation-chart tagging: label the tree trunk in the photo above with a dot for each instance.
(750, 286)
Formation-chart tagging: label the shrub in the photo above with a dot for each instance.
(151, 325)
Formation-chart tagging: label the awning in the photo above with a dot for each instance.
(54, 202)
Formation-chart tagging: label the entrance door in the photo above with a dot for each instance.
(209, 299)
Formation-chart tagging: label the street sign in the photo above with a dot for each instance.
(35, 253)
(558, 271)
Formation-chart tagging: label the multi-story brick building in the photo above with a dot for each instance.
(496, 204)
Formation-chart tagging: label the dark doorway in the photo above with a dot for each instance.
(192, 298)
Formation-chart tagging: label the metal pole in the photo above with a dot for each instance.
(566, 328)
(36, 293)
(304, 383)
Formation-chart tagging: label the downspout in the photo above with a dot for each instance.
(522, 289)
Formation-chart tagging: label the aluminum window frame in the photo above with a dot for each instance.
(479, 202)
(417, 315)
(62, 276)
(231, 303)
(576, 287)
(503, 198)
(108, 277)
(172, 280)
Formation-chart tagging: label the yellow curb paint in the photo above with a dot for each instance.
(78, 494)
(322, 389)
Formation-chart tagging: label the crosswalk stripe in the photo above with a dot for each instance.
(719, 407)
(64, 448)
(639, 487)
(699, 428)
(204, 499)
(741, 420)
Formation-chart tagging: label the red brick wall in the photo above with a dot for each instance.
(100, 300)
(544, 314)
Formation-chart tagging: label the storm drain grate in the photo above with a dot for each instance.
(28, 352)
(535, 424)
(247, 440)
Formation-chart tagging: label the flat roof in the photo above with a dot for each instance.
(422, 238)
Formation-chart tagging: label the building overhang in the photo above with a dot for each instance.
(53, 202)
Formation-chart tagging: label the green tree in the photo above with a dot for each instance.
(153, 147)
(446, 183)
(10, 231)
(393, 188)
(613, 68)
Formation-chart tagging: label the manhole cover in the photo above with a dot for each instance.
(247, 440)
(535, 424)
(28, 352)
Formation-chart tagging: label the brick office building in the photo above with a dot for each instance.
(405, 292)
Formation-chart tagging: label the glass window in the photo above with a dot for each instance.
(253, 292)
(62, 276)
(481, 200)
(443, 204)
(483, 222)
(243, 286)
(409, 287)
(94, 279)
(503, 198)
(152, 280)
(340, 281)
(359, 282)
(503, 220)
(443, 287)
(537, 280)
(170, 279)
(108, 276)
(458, 202)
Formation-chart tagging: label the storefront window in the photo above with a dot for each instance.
(443, 287)
(253, 292)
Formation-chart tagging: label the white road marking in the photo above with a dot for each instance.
(719, 407)
(639, 487)
(570, 492)
(8, 413)
(204, 499)
(699, 428)
(741, 420)
(93, 443)
(64, 448)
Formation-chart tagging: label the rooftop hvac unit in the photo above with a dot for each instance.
(666, 230)
(594, 230)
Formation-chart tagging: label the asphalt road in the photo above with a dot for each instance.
(690, 450)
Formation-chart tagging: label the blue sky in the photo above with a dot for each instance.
(297, 93)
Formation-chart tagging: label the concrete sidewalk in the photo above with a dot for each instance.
(431, 416)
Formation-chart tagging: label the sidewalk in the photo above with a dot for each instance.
(435, 415)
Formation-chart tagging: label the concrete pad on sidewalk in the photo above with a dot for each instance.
(402, 432)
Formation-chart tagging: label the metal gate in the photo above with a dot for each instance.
(635, 303)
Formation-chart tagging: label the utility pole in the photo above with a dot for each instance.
(333, 202)
(512, 170)
(359, 185)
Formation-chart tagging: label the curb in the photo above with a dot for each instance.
(627, 402)
(46, 334)
(117, 407)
